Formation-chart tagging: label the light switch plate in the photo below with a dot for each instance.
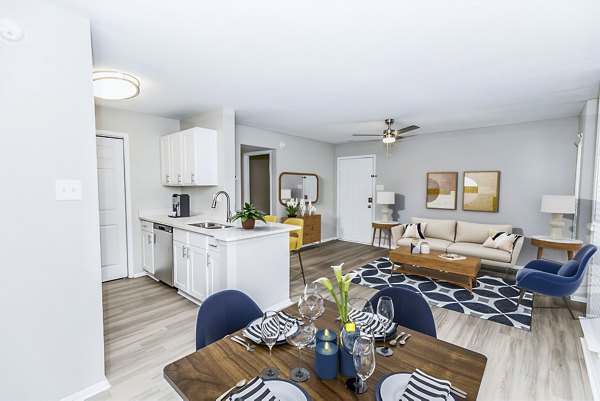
(379, 187)
(68, 190)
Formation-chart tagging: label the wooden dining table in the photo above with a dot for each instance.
(210, 371)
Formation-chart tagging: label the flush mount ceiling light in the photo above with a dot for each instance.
(115, 85)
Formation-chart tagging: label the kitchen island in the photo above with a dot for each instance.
(206, 261)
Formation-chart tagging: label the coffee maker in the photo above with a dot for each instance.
(181, 205)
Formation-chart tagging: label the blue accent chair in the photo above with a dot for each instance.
(410, 309)
(554, 279)
(223, 313)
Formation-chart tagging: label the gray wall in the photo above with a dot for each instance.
(51, 342)
(297, 155)
(534, 158)
(147, 193)
(223, 121)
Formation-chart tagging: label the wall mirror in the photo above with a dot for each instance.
(298, 185)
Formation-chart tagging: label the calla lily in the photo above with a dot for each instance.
(337, 270)
(343, 283)
(325, 281)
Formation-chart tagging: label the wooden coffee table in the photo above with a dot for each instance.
(460, 272)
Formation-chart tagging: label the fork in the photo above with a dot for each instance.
(248, 343)
(242, 343)
(458, 392)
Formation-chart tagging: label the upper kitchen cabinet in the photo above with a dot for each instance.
(189, 158)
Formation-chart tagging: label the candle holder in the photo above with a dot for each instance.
(326, 335)
(326, 362)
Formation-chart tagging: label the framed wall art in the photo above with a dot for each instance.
(441, 190)
(481, 191)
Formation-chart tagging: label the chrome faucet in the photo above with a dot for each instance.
(214, 204)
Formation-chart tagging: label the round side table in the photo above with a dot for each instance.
(564, 244)
(383, 225)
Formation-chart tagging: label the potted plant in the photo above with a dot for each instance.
(249, 214)
(291, 207)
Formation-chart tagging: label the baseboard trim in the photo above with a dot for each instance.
(139, 274)
(189, 297)
(592, 364)
(89, 391)
(578, 298)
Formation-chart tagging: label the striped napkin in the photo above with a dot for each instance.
(375, 326)
(254, 333)
(421, 386)
(255, 390)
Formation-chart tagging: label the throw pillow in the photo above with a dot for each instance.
(501, 240)
(415, 230)
(568, 269)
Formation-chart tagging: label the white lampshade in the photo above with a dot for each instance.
(286, 194)
(562, 204)
(386, 198)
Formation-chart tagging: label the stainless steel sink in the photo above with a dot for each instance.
(209, 225)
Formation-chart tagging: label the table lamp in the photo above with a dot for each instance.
(557, 205)
(385, 198)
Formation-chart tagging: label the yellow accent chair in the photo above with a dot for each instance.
(270, 218)
(296, 240)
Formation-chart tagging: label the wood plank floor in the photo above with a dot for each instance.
(147, 326)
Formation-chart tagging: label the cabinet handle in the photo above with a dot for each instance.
(168, 179)
(189, 254)
(193, 178)
(179, 178)
(154, 238)
(213, 245)
(184, 252)
(149, 239)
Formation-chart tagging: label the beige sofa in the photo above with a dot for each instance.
(463, 238)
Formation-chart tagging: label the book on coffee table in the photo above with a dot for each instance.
(452, 256)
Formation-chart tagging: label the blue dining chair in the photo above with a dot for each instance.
(410, 309)
(555, 279)
(223, 313)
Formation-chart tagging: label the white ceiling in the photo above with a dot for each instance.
(327, 69)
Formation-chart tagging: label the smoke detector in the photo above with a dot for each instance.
(10, 31)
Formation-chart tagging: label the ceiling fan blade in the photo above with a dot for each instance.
(366, 134)
(406, 129)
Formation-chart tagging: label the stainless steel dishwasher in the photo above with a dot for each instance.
(163, 253)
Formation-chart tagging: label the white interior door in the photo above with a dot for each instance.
(111, 197)
(355, 177)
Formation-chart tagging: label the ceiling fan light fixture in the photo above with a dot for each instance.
(389, 138)
(115, 85)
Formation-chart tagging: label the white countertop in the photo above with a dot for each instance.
(235, 233)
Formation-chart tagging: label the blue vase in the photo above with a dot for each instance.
(346, 363)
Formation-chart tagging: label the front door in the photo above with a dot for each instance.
(111, 199)
(355, 177)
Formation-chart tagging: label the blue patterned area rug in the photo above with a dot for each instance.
(493, 298)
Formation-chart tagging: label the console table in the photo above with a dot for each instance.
(312, 228)
(564, 244)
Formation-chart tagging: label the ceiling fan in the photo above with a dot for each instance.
(391, 135)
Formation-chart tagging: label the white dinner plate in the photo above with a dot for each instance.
(287, 390)
(253, 332)
(391, 387)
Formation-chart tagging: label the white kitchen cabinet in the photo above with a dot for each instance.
(181, 266)
(147, 246)
(165, 161)
(189, 158)
(201, 273)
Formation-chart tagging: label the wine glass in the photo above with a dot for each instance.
(270, 330)
(311, 306)
(364, 308)
(312, 288)
(299, 333)
(385, 313)
(363, 356)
